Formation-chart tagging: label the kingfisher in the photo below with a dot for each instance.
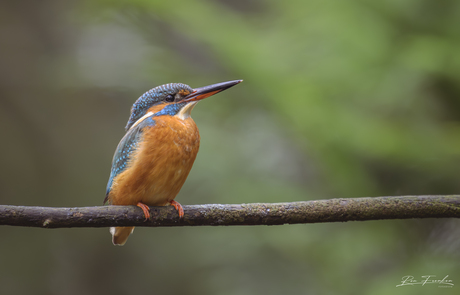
(154, 157)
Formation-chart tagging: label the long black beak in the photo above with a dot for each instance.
(207, 91)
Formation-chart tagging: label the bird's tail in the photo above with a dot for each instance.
(120, 234)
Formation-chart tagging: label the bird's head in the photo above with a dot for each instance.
(174, 99)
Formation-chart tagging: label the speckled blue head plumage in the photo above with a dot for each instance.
(152, 97)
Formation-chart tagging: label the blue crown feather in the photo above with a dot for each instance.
(152, 97)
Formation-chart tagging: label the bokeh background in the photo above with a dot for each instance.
(340, 99)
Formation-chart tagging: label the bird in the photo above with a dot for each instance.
(154, 157)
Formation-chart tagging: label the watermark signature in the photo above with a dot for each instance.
(426, 280)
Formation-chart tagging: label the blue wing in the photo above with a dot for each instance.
(125, 149)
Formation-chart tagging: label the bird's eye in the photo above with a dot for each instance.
(169, 98)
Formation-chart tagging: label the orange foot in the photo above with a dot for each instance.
(178, 208)
(144, 208)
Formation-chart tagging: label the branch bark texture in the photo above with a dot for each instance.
(333, 210)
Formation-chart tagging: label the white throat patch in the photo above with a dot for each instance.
(185, 112)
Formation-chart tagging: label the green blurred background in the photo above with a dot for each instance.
(340, 99)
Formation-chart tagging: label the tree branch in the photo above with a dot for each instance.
(333, 210)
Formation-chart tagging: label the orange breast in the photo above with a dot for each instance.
(161, 164)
